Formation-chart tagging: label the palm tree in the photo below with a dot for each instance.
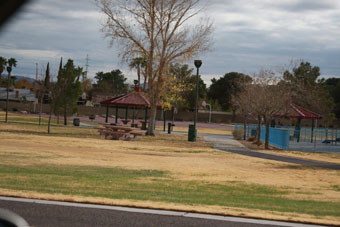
(10, 63)
(138, 63)
(3, 62)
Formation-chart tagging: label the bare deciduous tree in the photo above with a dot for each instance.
(159, 31)
(261, 99)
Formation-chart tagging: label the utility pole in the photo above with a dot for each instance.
(35, 87)
(87, 65)
(36, 71)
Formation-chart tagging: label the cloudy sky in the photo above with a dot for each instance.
(248, 35)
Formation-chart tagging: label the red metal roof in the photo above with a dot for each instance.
(295, 111)
(131, 99)
(108, 101)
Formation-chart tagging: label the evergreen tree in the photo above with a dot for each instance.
(3, 62)
(69, 89)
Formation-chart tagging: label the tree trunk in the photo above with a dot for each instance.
(233, 116)
(266, 143)
(9, 77)
(144, 85)
(65, 115)
(152, 120)
(245, 128)
(138, 74)
(259, 131)
(49, 119)
(41, 103)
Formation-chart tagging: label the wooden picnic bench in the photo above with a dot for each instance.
(125, 122)
(117, 132)
(337, 140)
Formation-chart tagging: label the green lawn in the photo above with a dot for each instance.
(77, 162)
(154, 185)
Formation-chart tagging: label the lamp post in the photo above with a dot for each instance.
(204, 103)
(198, 64)
(9, 70)
(35, 86)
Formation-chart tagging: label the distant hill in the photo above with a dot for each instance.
(31, 80)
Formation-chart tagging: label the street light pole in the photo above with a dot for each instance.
(209, 112)
(9, 70)
(205, 104)
(198, 64)
(35, 86)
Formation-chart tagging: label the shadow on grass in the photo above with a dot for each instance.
(296, 167)
(58, 134)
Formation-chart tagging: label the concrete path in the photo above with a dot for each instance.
(227, 143)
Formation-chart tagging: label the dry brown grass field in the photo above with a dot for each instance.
(26, 147)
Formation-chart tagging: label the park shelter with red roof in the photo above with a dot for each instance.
(295, 111)
(135, 99)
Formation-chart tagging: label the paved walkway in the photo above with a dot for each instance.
(227, 143)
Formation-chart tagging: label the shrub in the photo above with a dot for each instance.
(238, 134)
(251, 138)
(15, 109)
(255, 142)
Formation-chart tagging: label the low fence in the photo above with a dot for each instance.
(305, 139)
(277, 137)
(317, 139)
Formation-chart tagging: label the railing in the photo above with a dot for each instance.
(305, 139)
(277, 137)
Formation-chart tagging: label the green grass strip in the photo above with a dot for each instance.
(154, 185)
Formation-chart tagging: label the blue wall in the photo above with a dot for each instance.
(277, 137)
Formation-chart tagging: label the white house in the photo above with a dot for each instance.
(16, 94)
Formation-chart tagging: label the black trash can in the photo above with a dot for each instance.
(170, 127)
(192, 135)
(76, 121)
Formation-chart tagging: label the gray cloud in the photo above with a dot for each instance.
(302, 5)
(249, 35)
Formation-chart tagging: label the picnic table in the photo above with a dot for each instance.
(337, 140)
(119, 132)
(125, 121)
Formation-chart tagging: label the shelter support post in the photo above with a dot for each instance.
(298, 129)
(116, 120)
(164, 119)
(133, 116)
(272, 123)
(146, 117)
(126, 113)
(107, 114)
(312, 133)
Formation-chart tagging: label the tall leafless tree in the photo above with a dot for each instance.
(261, 99)
(158, 30)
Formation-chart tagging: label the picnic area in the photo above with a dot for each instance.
(171, 173)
